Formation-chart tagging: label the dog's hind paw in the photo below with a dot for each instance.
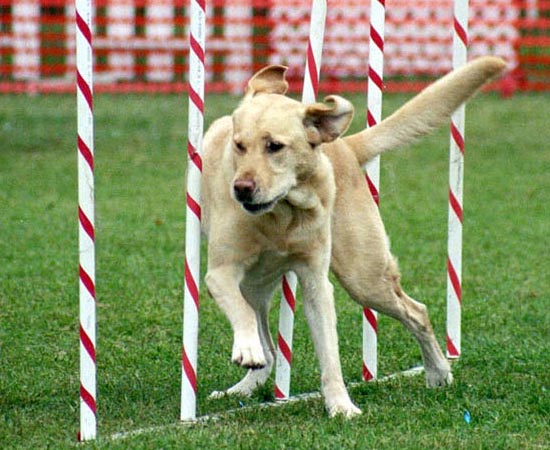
(252, 380)
(439, 378)
(240, 391)
(217, 394)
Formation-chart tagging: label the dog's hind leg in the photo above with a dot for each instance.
(362, 262)
(375, 284)
(386, 296)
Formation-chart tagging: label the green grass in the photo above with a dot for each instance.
(502, 379)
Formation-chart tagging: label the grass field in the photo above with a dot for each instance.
(502, 380)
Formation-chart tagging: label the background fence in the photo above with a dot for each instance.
(141, 45)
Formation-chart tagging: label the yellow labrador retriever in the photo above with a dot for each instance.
(282, 190)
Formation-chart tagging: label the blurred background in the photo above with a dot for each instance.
(142, 45)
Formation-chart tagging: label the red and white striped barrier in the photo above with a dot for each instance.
(26, 40)
(309, 94)
(456, 182)
(121, 19)
(160, 16)
(372, 168)
(193, 215)
(86, 234)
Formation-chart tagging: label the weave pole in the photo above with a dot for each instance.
(456, 183)
(372, 168)
(286, 314)
(197, 29)
(86, 233)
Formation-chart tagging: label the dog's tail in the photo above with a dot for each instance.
(427, 111)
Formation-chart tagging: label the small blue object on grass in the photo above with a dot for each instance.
(467, 416)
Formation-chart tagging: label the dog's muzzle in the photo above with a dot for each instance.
(244, 192)
(258, 208)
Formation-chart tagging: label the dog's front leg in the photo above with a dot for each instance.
(223, 284)
(321, 317)
(255, 378)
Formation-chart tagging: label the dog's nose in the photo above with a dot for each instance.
(244, 190)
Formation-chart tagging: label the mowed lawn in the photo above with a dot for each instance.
(502, 380)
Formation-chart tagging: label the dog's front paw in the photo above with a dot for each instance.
(343, 408)
(439, 377)
(248, 353)
(337, 400)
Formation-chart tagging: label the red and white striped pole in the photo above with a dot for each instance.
(197, 29)
(284, 337)
(456, 181)
(286, 314)
(314, 51)
(372, 168)
(86, 233)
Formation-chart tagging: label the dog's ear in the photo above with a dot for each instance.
(325, 122)
(269, 80)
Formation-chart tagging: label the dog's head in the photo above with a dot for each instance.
(276, 140)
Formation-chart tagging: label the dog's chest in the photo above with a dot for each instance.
(288, 230)
(268, 268)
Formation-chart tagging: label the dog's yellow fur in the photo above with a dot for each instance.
(283, 191)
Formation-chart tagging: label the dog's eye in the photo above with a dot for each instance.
(240, 147)
(274, 147)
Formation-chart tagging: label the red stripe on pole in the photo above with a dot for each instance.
(189, 370)
(202, 4)
(191, 150)
(376, 78)
(452, 351)
(454, 280)
(86, 224)
(84, 28)
(85, 89)
(196, 99)
(367, 375)
(460, 31)
(371, 318)
(88, 399)
(312, 67)
(194, 156)
(284, 348)
(196, 47)
(191, 285)
(288, 294)
(194, 206)
(371, 121)
(87, 343)
(457, 137)
(87, 281)
(279, 394)
(86, 153)
(455, 205)
(376, 38)
(373, 190)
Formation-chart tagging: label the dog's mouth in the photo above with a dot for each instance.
(260, 208)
